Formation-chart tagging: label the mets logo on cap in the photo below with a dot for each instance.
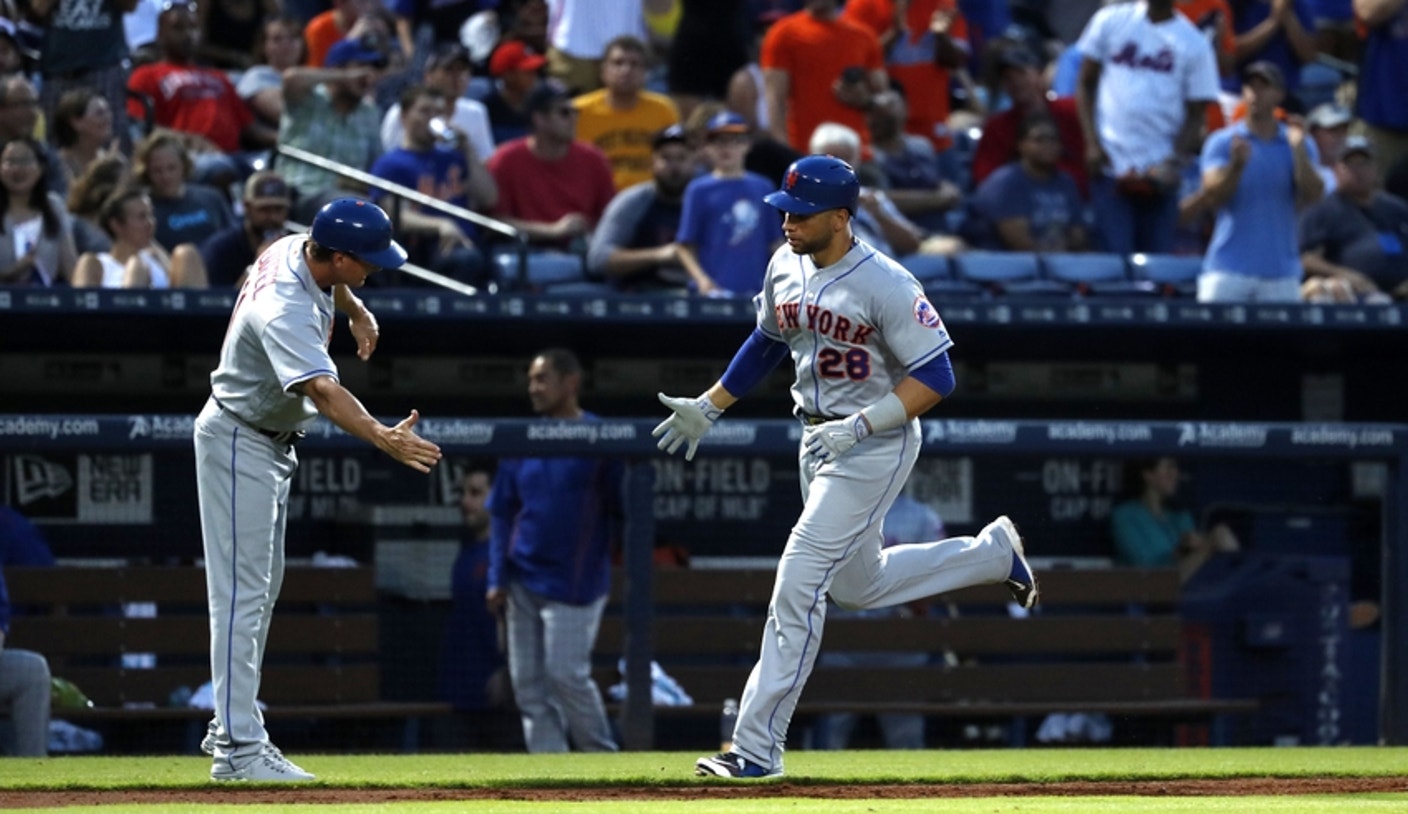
(792, 177)
(925, 313)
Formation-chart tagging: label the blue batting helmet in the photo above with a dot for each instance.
(816, 183)
(359, 228)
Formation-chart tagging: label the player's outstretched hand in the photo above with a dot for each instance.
(829, 441)
(402, 443)
(689, 420)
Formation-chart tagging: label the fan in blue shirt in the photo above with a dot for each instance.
(726, 233)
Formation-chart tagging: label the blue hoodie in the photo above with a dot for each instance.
(553, 524)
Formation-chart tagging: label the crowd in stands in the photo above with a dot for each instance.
(630, 141)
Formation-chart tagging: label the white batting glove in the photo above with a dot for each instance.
(829, 441)
(688, 421)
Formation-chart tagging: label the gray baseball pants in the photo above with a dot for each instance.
(550, 663)
(24, 688)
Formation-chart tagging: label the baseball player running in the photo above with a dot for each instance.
(274, 377)
(871, 355)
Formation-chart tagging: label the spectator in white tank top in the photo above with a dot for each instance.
(136, 261)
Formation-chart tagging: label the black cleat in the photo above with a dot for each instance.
(1022, 579)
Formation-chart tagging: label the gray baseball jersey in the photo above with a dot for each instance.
(855, 329)
(277, 338)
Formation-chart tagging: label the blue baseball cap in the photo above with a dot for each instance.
(353, 52)
(816, 183)
(727, 122)
(359, 228)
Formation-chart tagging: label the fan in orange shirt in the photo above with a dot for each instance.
(921, 48)
(1214, 19)
(326, 29)
(819, 67)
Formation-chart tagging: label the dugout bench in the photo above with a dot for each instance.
(321, 671)
(1104, 641)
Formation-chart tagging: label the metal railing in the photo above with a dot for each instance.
(419, 272)
(401, 193)
(1348, 70)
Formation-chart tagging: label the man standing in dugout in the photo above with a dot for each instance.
(553, 520)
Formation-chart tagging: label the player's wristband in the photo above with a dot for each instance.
(886, 414)
(706, 406)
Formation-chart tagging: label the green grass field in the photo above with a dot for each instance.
(661, 777)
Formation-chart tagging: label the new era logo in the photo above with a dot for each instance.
(37, 478)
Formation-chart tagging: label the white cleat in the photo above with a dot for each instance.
(268, 765)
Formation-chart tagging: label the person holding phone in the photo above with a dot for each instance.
(819, 67)
(926, 43)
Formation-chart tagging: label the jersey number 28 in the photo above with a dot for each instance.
(854, 364)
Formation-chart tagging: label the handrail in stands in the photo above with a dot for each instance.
(411, 268)
(415, 196)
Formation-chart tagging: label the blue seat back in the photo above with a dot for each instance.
(1166, 268)
(997, 267)
(545, 268)
(1085, 268)
(927, 267)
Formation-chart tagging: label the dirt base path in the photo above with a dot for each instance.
(314, 795)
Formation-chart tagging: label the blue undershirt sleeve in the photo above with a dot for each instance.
(936, 374)
(754, 361)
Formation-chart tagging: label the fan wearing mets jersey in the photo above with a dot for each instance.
(275, 376)
(871, 355)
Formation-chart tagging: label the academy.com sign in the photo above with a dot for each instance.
(1351, 437)
(1240, 436)
(588, 431)
(731, 434)
(1098, 432)
(160, 427)
(970, 432)
(34, 427)
(455, 431)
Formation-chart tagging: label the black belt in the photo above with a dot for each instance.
(813, 420)
(285, 437)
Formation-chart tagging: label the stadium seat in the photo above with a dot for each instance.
(546, 269)
(935, 273)
(926, 267)
(582, 290)
(1093, 273)
(1005, 272)
(1173, 275)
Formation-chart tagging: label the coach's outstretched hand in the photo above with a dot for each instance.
(402, 443)
(688, 421)
(829, 441)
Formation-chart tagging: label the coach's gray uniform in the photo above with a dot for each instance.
(855, 329)
(277, 338)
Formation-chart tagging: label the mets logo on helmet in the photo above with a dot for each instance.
(791, 179)
(925, 313)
